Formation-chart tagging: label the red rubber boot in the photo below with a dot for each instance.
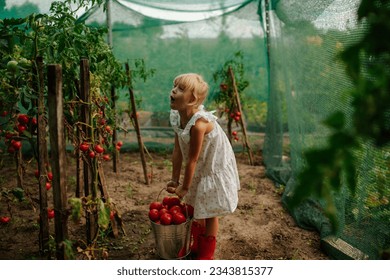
(207, 246)
(196, 230)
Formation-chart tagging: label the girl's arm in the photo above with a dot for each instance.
(177, 159)
(198, 132)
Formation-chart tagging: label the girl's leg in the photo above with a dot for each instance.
(202, 222)
(212, 226)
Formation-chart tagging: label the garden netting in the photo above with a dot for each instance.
(306, 84)
(288, 49)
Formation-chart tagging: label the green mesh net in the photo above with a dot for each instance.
(307, 83)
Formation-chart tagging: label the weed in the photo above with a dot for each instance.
(129, 191)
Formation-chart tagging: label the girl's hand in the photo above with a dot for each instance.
(181, 192)
(171, 186)
(171, 189)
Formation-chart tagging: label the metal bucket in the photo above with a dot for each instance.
(172, 241)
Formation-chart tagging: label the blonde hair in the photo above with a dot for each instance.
(194, 83)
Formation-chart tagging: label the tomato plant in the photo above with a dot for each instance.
(59, 38)
(224, 95)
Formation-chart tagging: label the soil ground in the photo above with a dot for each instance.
(260, 228)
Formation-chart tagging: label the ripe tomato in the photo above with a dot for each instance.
(21, 128)
(11, 150)
(106, 157)
(36, 173)
(50, 176)
(50, 213)
(162, 211)
(178, 218)
(16, 145)
(175, 209)
(8, 135)
(237, 118)
(166, 219)
(234, 133)
(99, 149)
(188, 210)
(48, 186)
(108, 129)
(155, 205)
(173, 200)
(223, 87)
(23, 119)
(112, 215)
(84, 147)
(165, 200)
(5, 220)
(91, 154)
(119, 143)
(34, 121)
(154, 215)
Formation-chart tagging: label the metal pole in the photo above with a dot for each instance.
(108, 19)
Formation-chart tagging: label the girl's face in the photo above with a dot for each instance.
(180, 97)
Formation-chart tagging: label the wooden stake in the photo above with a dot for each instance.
(136, 125)
(89, 175)
(115, 154)
(58, 156)
(242, 121)
(42, 161)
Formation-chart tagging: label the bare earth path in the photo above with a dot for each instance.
(259, 229)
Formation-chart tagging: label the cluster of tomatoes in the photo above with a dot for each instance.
(93, 150)
(49, 178)
(50, 212)
(12, 138)
(170, 211)
(97, 149)
(236, 116)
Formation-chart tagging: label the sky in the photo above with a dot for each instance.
(237, 27)
(43, 5)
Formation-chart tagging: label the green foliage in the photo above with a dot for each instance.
(76, 208)
(367, 63)
(103, 215)
(223, 95)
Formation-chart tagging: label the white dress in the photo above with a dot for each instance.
(215, 185)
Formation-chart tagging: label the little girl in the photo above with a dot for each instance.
(211, 181)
